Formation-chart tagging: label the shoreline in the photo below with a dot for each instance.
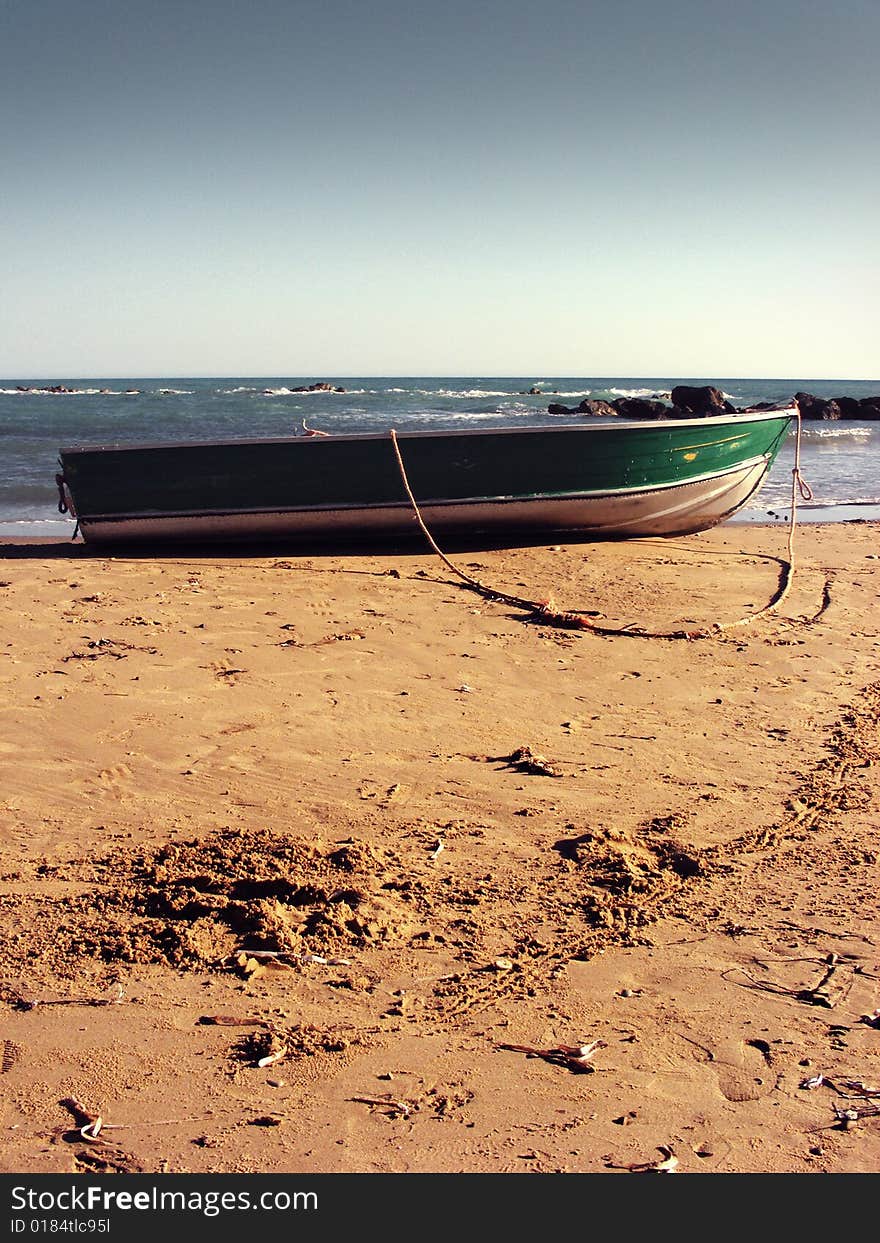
(459, 830)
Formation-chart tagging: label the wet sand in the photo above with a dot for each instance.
(382, 827)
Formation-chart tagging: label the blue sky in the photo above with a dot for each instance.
(332, 187)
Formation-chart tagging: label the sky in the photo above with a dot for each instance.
(498, 187)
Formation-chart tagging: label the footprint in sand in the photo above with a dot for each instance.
(10, 1053)
(744, 1069)
(111, 777)
(384, 795)
(112, 1161)
(109, 781)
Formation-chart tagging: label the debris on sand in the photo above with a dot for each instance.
(274, 1044)
(577, 1058)
(828, 990)
(668, 1165)
(228, 1020)
(524, 760)
(387, 1104)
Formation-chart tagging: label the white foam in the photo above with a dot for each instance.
(67, 392)
(36, 528)
(836, 433)
(467, 393)
(657, 394)
(469, 417)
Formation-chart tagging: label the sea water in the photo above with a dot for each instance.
(839, 460)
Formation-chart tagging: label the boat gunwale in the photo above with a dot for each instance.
(613, 423)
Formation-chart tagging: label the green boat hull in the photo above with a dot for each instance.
(606, 478)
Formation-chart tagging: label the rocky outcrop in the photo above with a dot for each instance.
(818, 408)
(590, 406)
(829, 409)
(705, 401)
(850, 407)
(587, 406)
(47, 388)
(702, 399)
(642, 408)
(321, 387)
(627, 407)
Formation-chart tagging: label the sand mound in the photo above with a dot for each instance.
(194, 904)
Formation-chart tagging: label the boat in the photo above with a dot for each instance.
(605, 478)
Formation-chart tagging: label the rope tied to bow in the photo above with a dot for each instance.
(547, 612)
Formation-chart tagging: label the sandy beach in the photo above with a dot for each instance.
(326, 863)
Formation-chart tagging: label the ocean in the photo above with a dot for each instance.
(839, 460)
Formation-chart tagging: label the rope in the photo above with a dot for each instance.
(63, 507)
(489, 592)
(62, 500)
(799, 487)
(546, 612)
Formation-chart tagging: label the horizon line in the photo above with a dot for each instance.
(439, 375)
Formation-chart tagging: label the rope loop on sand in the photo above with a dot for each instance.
(546, 611)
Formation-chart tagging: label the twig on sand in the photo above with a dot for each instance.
(669, 1164)
(817, 995)
(859, 1100)
(843, 1087)
(240, 957)
(389, 1103)
(573, 1057)
(228, 1020)
(90, 1126)
(26, 1003)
